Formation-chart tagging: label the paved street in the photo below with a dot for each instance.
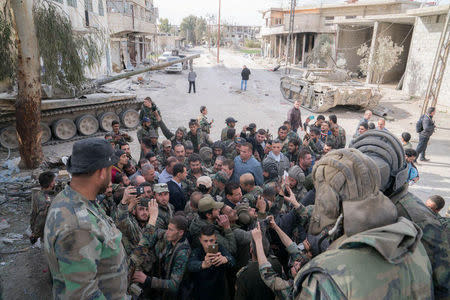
(218, 87)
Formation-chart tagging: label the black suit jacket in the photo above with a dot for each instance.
(177, 196)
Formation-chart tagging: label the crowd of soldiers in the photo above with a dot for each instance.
(299, 215)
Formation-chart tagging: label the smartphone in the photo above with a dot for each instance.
(139, 191)
(311, 117)
(213, 248)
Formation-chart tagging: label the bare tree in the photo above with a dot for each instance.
(385, 57)
(28, 103)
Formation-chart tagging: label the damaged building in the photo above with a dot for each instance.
(323, 24)
(133, 31)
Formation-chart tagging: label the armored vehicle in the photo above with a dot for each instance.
(89, 113)
(321, 89)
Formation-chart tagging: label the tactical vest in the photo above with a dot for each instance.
(362, 273)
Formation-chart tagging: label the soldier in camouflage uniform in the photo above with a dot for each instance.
(231, 123)
(146, 130)
(41, 200)
(208, 211)
(131, 219)
(219, 179)
(165, 154)
(165, 209)
(172, 251)
(106, 201)
(338, 132)
(377, 246)
(82, 245)
(196, 136)
(250, 191)
(119, 136)
(202, 119)
(384, 148)
(151, 111)
(292, 135)
(195, 171)
(206, 156)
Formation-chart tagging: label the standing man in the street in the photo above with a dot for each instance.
(191, 78)
(294, 116)
(82, 245)
(427, 130)
(245, 74)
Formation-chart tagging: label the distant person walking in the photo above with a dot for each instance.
(245, 74)
(191, 78)
(294, 116)
(425, 128)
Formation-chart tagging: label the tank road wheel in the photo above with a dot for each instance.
(46, 133)
(87, 125)
(287, 93)
(64, 129)
(8, 138)
(317, 102)
(130, 118)
(106, 119)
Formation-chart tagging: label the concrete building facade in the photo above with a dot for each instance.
(428, 27)
(133, 31)
(333, 23)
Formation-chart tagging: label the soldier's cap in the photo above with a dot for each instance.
(204, 180)
(208, 203)
(145, 119)
(166, 143)
(230, 120)
(243, 214)
(221, 177)
(240, 140)
(144, 202)
(160, 188)
(252, 125)
(119, 153)
(152, 134)
(90, 155)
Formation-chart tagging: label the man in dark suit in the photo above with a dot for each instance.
(177, 195)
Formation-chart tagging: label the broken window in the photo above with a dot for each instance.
(330, 18)
(350, 17)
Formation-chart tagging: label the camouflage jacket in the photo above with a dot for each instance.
(84, 250)
(225, 237)
(165, 213)
(121, 137)
(40, 203)
(129, 226)
(282, 288)
(198, 139)
(252, 196)
(436, 238)
(223, 133)
(204, 124)
(292, 135)
(190, 183)
(143, 132)
(215, 193)
(148, 112)
(108, 205)
(391, 258)
(341, 139)
(162, 159)
(230, 151)
(171, 260)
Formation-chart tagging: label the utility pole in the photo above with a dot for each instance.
(439, 64)
(218, 34)
(290, 34)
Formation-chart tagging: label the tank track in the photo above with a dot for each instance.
(79, 137)
(75, 109)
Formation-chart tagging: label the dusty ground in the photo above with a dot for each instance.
(24, 275)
